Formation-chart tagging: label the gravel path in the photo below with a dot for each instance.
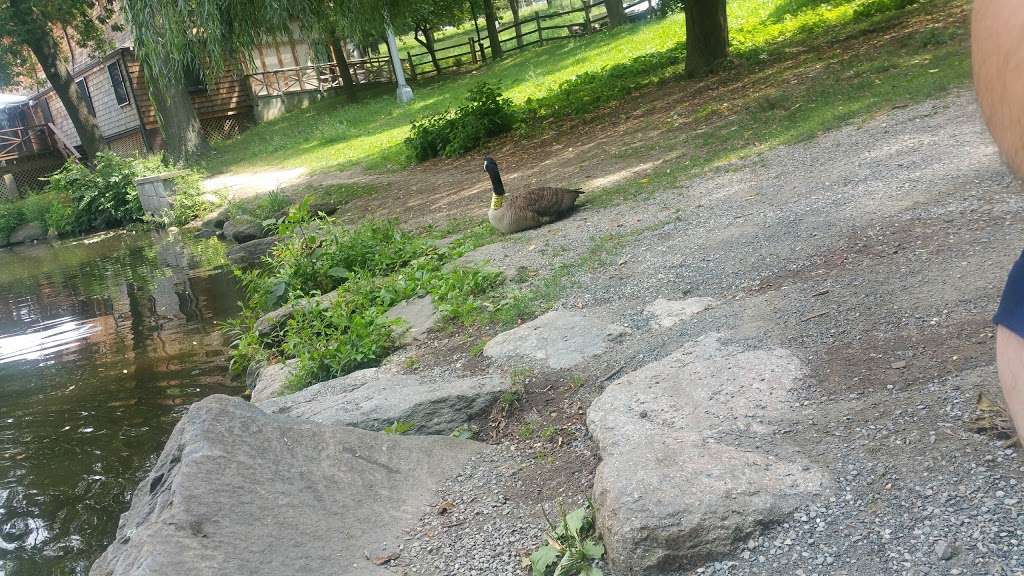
(876, 254)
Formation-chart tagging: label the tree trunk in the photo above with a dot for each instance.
(492, 29)
(184, 140)
(514, 6)
(35, 32)
(348, 84)
(707, 35)
(616, 13)
(428, 44)
(476, 19)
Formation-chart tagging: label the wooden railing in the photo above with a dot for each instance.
(27, 141)
(529, 31)
(24, 141)
(318, 77)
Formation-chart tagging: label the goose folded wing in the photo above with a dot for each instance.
(549, 202)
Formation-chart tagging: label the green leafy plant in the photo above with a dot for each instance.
(527, 430)
(190, 201)
(486, 114)
(572, 548)
(105, 197)
(399, 427)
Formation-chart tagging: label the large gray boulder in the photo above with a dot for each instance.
(270, 380)
(240, 491)
(28, 232)
(242, 229)
(374, 398)
(251, 253)
(558, 339)
(273, 321)
(689, 465)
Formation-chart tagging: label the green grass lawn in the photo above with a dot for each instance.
(336, 135)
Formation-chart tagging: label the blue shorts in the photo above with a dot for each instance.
(1011, 307)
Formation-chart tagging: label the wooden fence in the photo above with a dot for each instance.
(530, 31)
(533, 30)
(318, 77)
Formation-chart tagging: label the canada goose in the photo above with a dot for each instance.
(529, 209)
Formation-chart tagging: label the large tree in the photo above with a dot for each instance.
(707, 35)
(616, 12)
(28, 27)
(425, 16)
(491, 17)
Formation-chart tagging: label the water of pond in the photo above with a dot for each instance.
(103, 344)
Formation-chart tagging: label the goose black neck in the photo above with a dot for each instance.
(497, 187)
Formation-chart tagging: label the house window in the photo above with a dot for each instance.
(194, 80)
(117, 81)
(83, 89)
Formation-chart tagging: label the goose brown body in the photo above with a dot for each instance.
(528, 209)
(532, 208)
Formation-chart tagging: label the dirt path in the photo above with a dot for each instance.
(875, 254)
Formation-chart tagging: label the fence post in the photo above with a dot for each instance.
(650, 9)
(540, 33)
(586, 16)
(483, 52)
(472, 49)
(412, 67)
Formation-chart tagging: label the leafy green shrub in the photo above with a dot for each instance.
(319, 263)
(11, 216)
(190, 202)
(60, 216)
(572, 549)
(105, 197)
(486, 114)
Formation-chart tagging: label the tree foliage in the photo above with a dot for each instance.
(27, 29)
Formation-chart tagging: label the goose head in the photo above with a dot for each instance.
(492, 169)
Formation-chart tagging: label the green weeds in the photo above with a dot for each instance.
(371, 268)
(573, 546)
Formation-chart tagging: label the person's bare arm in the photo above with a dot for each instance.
(997, 50)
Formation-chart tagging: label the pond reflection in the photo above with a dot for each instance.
(103, 344)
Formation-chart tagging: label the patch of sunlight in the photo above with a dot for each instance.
(621, 175)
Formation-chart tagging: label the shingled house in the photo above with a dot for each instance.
(37, 134)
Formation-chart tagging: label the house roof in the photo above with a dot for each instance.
(11, 100)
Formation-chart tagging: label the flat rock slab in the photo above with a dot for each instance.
(375, 398)
(244, 229)
(559, 339)
(271, 380)
(677, 486)
(272, 321)
(668, 313)
(418, 316)
(240, 491)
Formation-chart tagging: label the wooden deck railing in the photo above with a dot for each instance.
(318, 77)
(27, 141)
(24, 141)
